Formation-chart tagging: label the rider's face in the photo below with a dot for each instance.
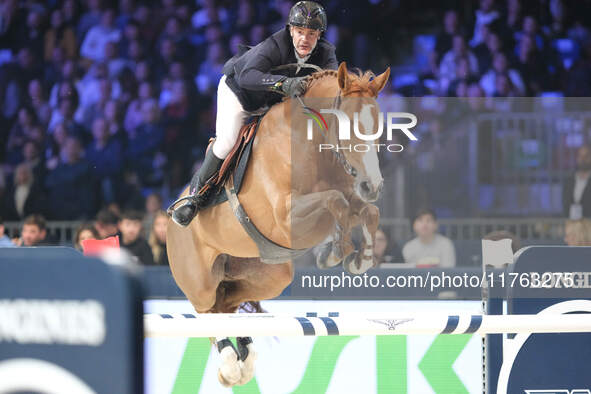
(304, 39)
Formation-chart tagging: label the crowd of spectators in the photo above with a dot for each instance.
(104, 102)
(110, 104)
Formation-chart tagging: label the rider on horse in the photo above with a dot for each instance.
(248, 85)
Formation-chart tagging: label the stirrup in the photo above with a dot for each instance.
(172, 206)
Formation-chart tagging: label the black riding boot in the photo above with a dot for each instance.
(186, 212)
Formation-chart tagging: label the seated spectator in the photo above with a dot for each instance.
(443, 41)
(5, 241)
(485, 15)
(105, 155)
(70, 186)
(130, 227)
(384, 249)
(25, 197)
(153, 206)
(501, 66)
(60, 35)
(157, 239)
(95, 41)
(210, 70)
(144, 145)
(429, 249)
(449, 63)
(19, 134)
(134, 115)
(39, 102)
(83, 232)
(106, 223)
(34, 232)
(576, 192)
(577, 232)
(531, 65)
(504, 88)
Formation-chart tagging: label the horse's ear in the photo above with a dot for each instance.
(378, 83)
(342, 77)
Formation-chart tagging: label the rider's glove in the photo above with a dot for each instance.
(294, 86)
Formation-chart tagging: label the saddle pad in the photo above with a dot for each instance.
(240, 169)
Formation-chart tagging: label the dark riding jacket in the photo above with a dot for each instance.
(249, 75)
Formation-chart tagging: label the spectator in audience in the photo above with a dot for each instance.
(485, 15)
(429, 249)
(70, 186)
(449, 63)
(577, 232)
(25, 197)
(105, 156)
(19, 134)
(530, 64)
(153, 206)
(134, 116)
(576, 192)
(501, 66)
(157, 239)
(61, 35)
(95, 42)
(144, 143)
(130, 227)
(39, 102)
(451, 27)
(89, 19)
(106, 223)
(83, 232)
(34, 232)
(5, 241)
(385, 249)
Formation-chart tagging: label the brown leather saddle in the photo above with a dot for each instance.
(235, 163)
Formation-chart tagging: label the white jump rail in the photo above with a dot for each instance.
(265, 324)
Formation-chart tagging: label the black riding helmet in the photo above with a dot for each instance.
(308, 14)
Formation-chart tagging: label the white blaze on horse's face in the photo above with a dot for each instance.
(369, 182)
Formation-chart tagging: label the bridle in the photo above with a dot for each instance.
(339, 156)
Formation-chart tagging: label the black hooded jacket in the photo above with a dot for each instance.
(249, 75)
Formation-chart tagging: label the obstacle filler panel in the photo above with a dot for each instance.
(70, 324)
(534, 363)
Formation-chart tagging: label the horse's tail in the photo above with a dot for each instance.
(251, 307)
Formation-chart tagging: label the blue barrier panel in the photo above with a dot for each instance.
(558, 362)
(68, 324)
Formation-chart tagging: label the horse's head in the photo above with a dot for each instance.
(358, 152)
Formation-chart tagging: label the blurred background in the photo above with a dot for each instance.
(106, 107)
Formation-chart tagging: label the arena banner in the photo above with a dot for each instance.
(70, 324)
(393, 364)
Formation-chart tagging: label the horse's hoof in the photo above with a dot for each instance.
(229, 373)
(247, 367)
(322, 256)
(338, 250)
(349, 263)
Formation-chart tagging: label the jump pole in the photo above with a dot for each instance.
(264, 324)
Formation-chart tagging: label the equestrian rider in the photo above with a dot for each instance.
(249, 84)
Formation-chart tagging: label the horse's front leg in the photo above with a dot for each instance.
(358, 263)
(315, 215)
(337, 246)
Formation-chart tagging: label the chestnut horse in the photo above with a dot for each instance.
(215, 262)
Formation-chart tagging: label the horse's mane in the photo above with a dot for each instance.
(359, 79)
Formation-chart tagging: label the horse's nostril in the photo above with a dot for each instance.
(365, 187)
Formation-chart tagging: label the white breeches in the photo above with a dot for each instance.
(229, 119)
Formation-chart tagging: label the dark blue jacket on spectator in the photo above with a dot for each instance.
(249, 74)
(70, 190)
(107, 161)
(143, 146)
